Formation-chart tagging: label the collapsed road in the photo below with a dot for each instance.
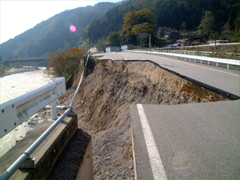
(103, 102)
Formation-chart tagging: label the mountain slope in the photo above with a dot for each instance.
(170, 13)
(53, 34)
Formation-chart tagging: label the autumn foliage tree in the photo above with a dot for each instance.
(143, 28)
(66, 63)
(135, 22)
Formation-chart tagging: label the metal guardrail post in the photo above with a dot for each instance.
(54, 110)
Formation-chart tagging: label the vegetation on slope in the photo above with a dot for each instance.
(185, 15)
(223, 51)
(53, 34)
(3, 69)
(179, 14)
(66, 63)
(136, 22)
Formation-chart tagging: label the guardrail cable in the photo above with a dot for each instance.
(80, 82)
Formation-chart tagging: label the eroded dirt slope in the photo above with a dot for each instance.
(102, 106)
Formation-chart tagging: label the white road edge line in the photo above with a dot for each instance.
(155, 160)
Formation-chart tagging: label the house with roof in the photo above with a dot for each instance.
(185, 42)
(171, 33)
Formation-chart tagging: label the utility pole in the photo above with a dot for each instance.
(145, 35)
(150, 37)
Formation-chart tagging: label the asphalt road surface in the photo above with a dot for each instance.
(191, 141)
(220, 78)
(194, 141)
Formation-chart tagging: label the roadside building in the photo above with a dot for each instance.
(127, 47)
(113, 49)
(218, 42)
(185, 42)
(170, 33)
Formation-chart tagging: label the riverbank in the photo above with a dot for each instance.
(19, 70)
(19, 81)
(16, 82)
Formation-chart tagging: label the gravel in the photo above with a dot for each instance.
(70, 160)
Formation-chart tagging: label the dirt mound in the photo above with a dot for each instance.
(102, 106)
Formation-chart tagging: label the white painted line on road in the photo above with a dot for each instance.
(123, 57)
(155, 160)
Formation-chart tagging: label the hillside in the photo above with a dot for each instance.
(53, 34)
(96, 22)
(169, 13)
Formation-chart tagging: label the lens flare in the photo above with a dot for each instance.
(182, 168)
(73, 28)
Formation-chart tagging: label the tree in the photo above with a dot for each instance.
(66, 63)
(237, 22)
(207, 23)
(114, 38)
(160, 32)
(143, 28)
(130, 19)
(231, 20)
(135, 22)
(146, 15)
(184, 26)
(101, 45)
(237, 28)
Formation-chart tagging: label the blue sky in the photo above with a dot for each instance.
(17, 16)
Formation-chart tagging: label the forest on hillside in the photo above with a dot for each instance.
(53, 34)
(169, 13)
(104, 21)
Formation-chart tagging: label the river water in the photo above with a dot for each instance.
(15, 85)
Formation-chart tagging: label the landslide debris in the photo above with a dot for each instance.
(102, 106)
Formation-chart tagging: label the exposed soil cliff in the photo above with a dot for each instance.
(102, 106)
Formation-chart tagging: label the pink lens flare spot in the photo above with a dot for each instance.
(73, 28)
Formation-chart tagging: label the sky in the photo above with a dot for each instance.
(17, 16)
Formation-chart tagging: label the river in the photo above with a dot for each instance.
(15, 85)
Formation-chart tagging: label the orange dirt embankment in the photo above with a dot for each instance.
(157, 74)
(102, 106)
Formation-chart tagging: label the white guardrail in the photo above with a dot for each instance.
(21, 108)
(228, 62)
(234, 56)
(14, 112)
